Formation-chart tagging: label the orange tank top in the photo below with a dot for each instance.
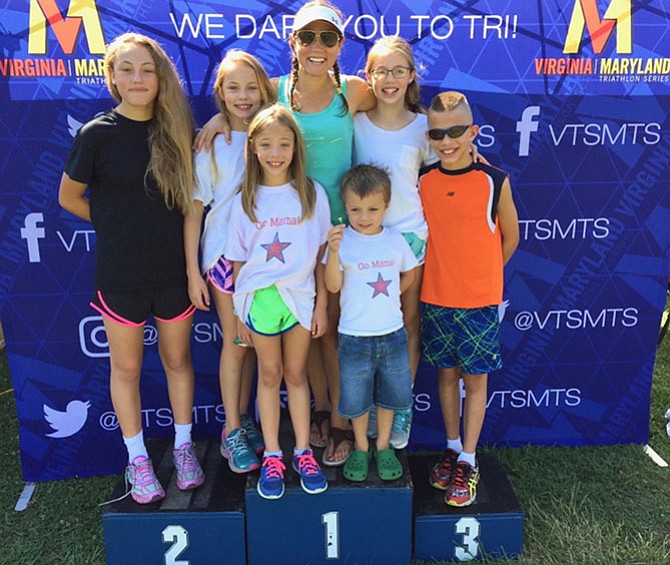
(464, 265)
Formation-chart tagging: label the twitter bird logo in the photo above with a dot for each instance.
(68, 423)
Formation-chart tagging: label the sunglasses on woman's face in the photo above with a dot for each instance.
(437, 134)
(327, 38)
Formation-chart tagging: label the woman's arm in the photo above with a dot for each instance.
(359, 96)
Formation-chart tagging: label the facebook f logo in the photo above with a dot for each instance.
(525, 127)
(32, 234)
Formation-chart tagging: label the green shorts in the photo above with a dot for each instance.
(268, 314)
(417, 245)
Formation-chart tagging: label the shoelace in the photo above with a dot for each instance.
(237, 443)
(307, 464)
(129, 486)
(460, 475)
(273, 467)
(185, 457)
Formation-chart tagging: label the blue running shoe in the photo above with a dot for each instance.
(234, 447)
(271, 482)
(254, 437)
(312, 479)
(402, 426)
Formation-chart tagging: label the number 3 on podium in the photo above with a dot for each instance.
(469, 528)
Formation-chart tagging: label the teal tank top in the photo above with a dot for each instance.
(329, 138)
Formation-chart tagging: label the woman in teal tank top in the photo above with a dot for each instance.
(323, 102)
(328, 135)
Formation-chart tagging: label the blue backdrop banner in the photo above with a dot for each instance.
(573, 99)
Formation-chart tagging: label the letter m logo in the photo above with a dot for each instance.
(66, 29)
(585, 14)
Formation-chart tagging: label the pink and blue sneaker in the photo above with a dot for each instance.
(271, 482)
(145, 487)
(189, 473)
(312, 479)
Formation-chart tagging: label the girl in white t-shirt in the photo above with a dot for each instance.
(241, 87)
(393, 135)
(276, 238)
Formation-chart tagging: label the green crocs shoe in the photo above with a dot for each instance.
(357, 466)
(389, 467)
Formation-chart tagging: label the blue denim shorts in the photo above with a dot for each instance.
(374, 371)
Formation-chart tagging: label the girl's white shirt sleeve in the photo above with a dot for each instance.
(218, 195)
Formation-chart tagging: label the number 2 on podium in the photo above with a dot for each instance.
(178, 536)
(331, 521)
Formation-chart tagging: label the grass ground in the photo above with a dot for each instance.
(586, 505)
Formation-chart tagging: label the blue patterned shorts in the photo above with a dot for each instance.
(465, 337)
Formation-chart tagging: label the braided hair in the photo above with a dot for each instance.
(295, 65)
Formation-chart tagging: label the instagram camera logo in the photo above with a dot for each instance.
(585, 15)
(32, 233)
(66, 29)
(93, 338)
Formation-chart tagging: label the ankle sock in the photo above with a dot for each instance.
(182, 434)
(455, 444)
(135, 446)
(470, 458)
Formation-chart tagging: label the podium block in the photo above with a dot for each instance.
(350, 523)
(205, 525)
(491, 527)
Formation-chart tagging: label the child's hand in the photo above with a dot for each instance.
(205, 137)
(319, 322)
(198, 292)
(243, 333)
(335, 237)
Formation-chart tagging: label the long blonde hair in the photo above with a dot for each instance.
(394, 43)
(253, 174)
(172, 128)
(267, 91)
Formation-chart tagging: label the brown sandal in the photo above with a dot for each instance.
(319, 418)
(338, 435)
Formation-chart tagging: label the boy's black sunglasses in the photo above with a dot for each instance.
(453, 132)
(328, 38)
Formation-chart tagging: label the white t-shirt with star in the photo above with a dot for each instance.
(218, 193)
(370, 296)
(278, 249)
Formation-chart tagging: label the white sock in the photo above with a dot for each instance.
(182, 434)
(470, 458)
(135, 446)
(455, 444)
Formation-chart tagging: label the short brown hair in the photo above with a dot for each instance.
(448, 101)
(365, 180)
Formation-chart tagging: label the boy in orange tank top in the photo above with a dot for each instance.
(473, 231)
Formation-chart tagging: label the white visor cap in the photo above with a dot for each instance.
(313, 13)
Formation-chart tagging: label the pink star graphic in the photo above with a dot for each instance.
(380, 285)
(275, 249)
